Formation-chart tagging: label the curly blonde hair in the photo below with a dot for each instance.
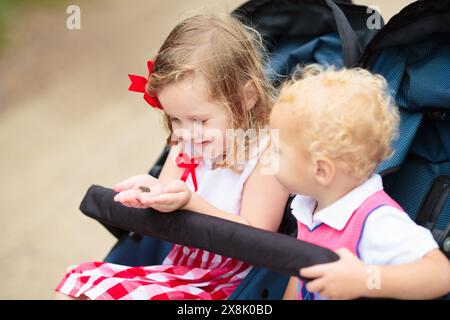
(346, 115)
(229, 54)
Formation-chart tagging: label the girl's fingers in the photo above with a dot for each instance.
(146, 199)
(127, 195)
(134, 203)
(163, 199)
(119, 197)
(126, 184)
(126, 204)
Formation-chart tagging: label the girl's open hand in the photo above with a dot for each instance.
(144, 191)
(346, 278)
(174, 196)
(141, 180)
(130, 189)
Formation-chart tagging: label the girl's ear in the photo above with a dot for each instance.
(250, 94)
(325, 171)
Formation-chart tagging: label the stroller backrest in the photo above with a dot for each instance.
(413, 53)
(298, 32)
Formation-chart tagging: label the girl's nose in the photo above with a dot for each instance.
(196, 132)
(193, 134)
(196, 136)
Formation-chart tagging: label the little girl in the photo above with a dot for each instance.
(335, 127)
(207, 78)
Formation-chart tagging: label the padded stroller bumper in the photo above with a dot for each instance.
(275, 251)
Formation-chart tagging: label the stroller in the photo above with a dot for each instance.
(411, 51)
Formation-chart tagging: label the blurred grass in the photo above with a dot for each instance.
(9, 10)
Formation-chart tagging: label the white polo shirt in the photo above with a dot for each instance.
(389, 236)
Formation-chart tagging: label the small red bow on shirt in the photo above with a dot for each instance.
(138, 84)
(189, 165)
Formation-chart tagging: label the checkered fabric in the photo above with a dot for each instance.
(186, 273)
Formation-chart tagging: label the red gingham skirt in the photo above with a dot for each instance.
(186, 273)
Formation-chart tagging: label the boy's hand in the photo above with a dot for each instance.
(343, 279)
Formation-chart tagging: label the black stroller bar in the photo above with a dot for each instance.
(261, 248)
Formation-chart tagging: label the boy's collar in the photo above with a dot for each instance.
(339, 212)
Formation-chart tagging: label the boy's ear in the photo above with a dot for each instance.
(250, 94)
(325, 171)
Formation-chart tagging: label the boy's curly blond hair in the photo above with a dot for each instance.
(346, 115)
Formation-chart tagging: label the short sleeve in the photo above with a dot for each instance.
(390, 237)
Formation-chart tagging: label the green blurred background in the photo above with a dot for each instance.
(67, 121)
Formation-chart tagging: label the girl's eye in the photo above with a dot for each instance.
(174, 119)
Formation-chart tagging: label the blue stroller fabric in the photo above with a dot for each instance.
(325, 50)
(418, 75)
(413, 53)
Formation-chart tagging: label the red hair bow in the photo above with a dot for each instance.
(138, 84)
(189, 165)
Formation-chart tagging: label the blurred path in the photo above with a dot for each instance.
(67, 121)
(71, 122)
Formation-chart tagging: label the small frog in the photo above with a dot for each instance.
(144, 189)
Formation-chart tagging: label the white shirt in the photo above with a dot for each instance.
(222, 187)
(389, 236)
